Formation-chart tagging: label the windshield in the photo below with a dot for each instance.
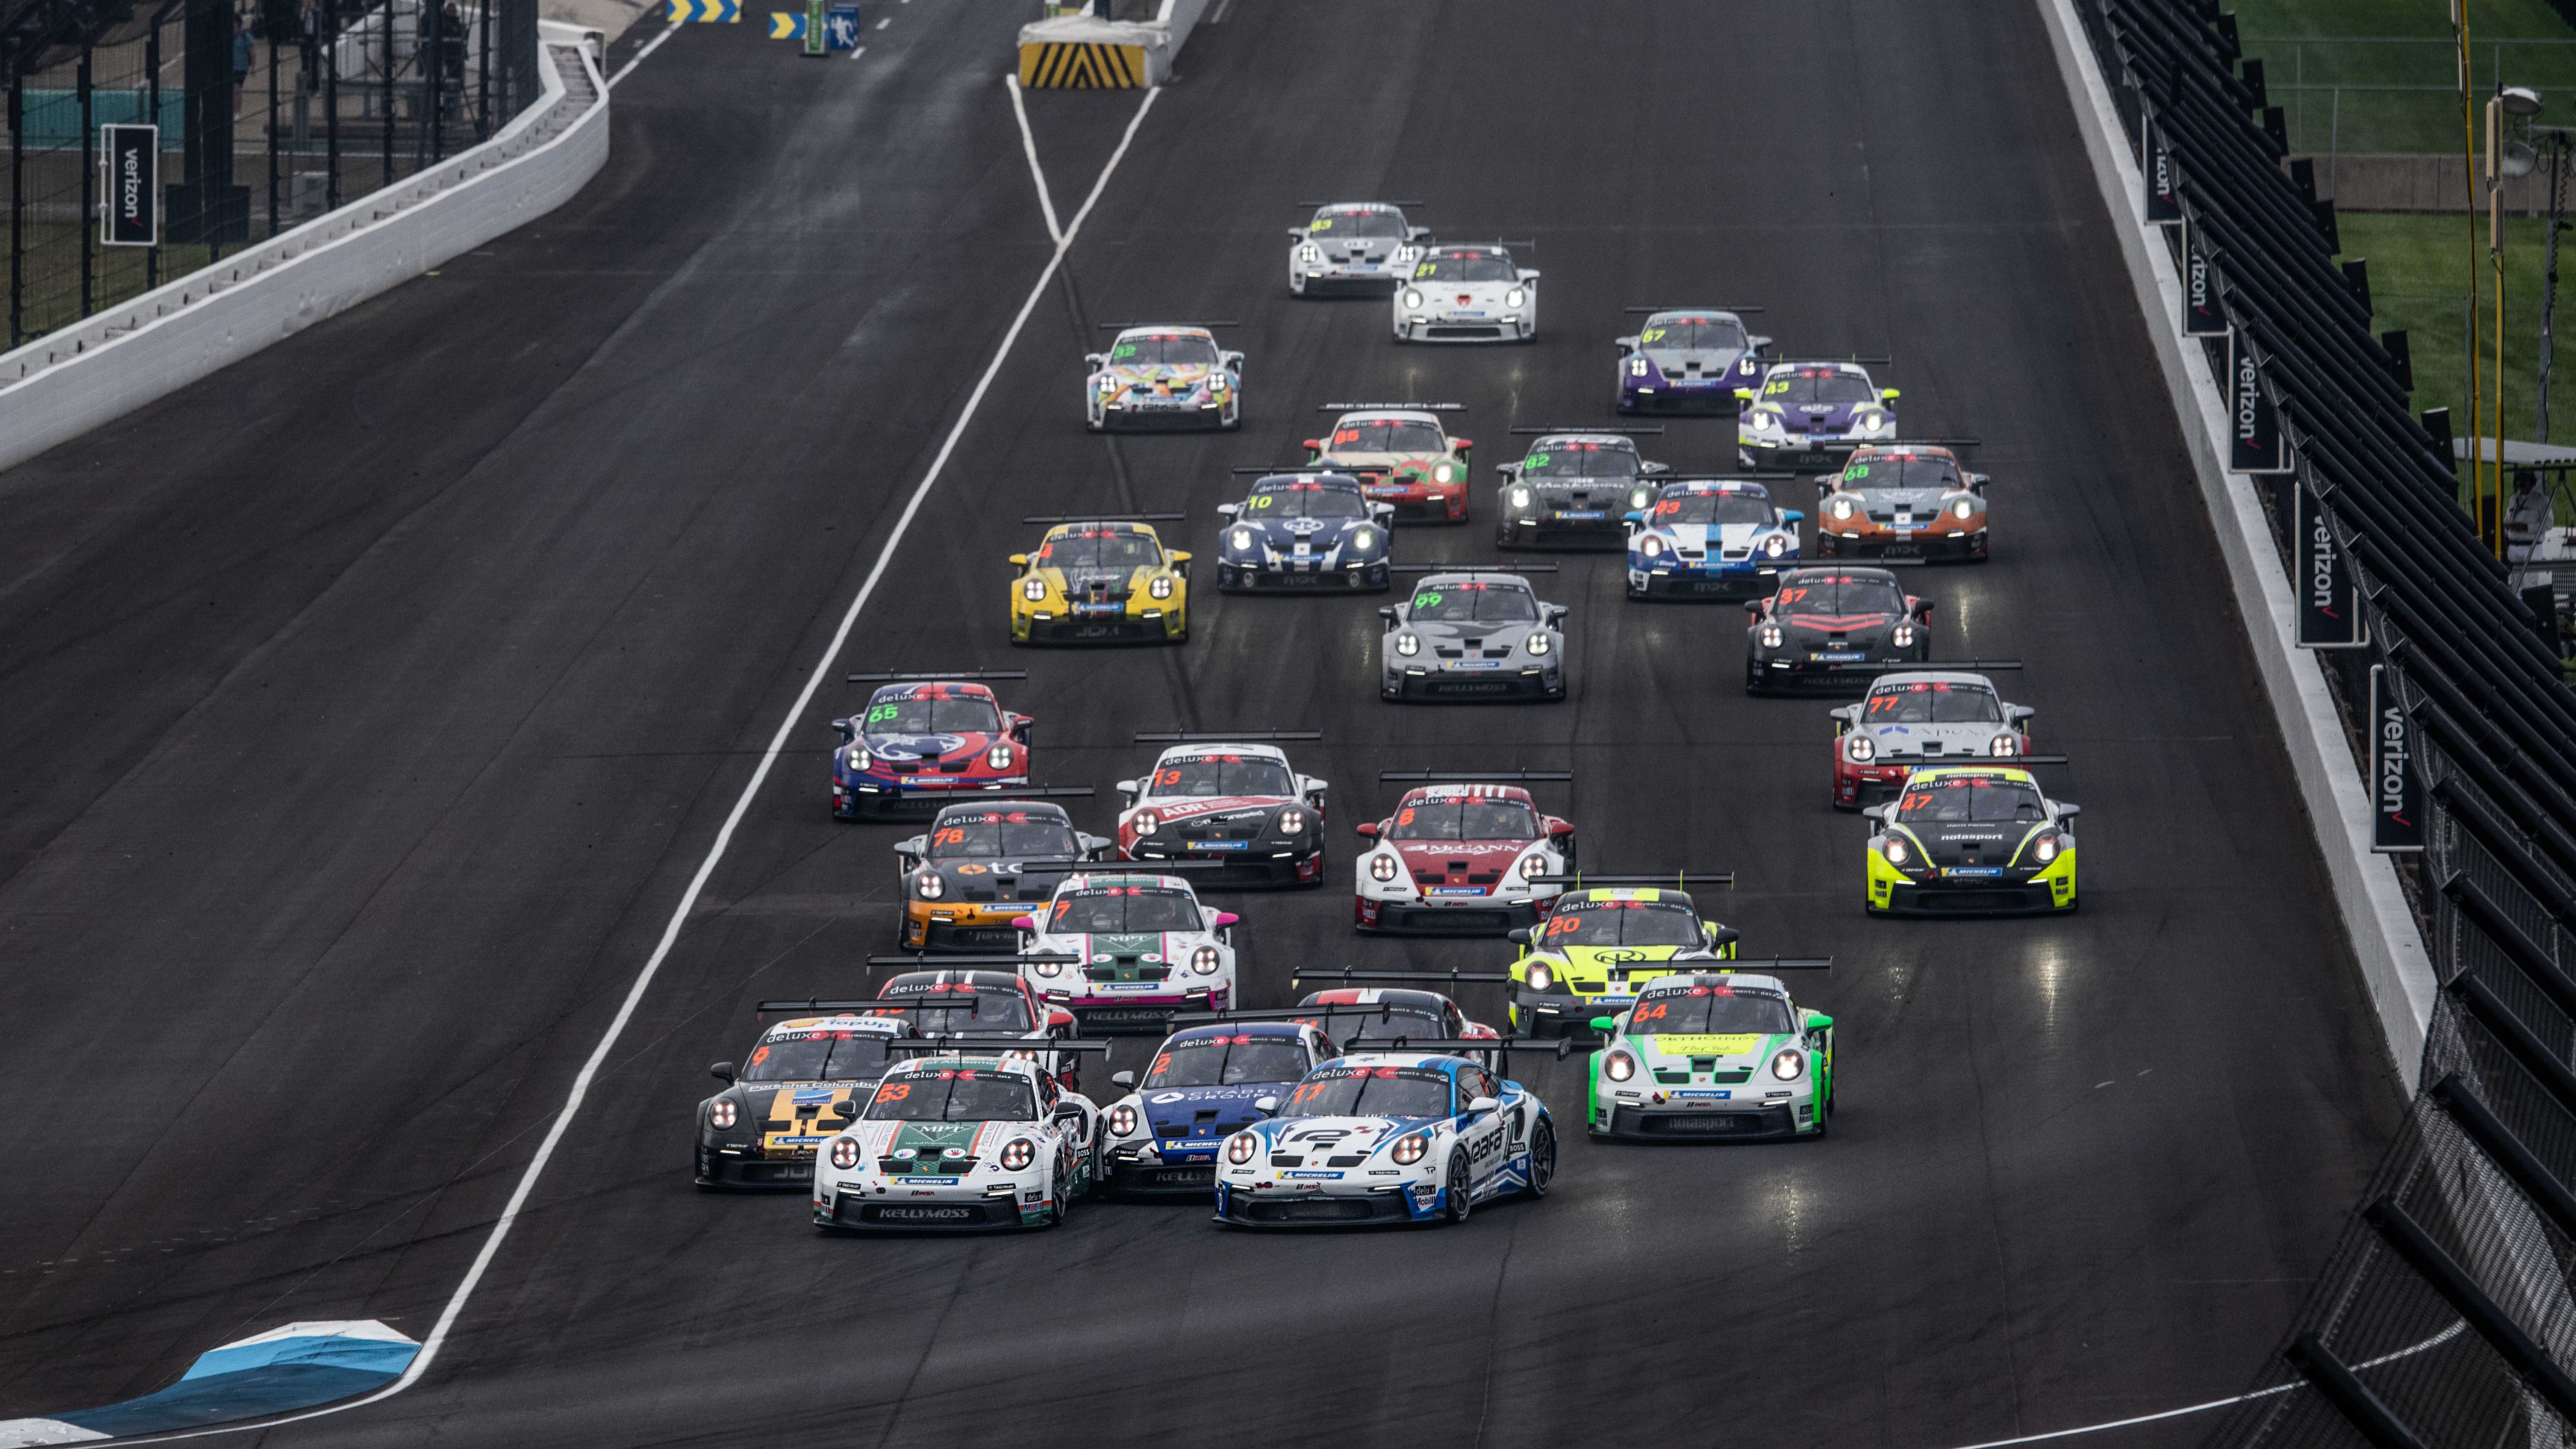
(1163, 349)
(1818, 385)
(1124, 911)
(1839, 595)
(1303, 500)
(1962, 799)
(1708, 1010)
(1372, 225)
(1205, 777)
(1370, 1092)
(1621, 923)
(1901, 473)
(1475, 603)
(933, 717)
(957, 1094)
(961, 837)
(1465, 267)
(1227, 1061)
(1466, 818)
(1712, 508)
(1100, 549)
(1579, 460)
(818, 1056)
(1385, 435)
(1681, 332)
(1929, 703)
(957, 1009)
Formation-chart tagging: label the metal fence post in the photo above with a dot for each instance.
(17, 194)
(89, 182)
(330, 49)
(152, 114)
(483, 73)
(386, 177)
(272, 121)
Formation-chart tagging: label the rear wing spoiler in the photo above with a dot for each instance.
(1316, 470)
(1122, 326)
(1975, 762)
(1348, 974)
(1720, 307)
(1105, 518)
(1470, 777)
(952, 1044)
(1560, 1049)
(964, 962)
(815, 1006)
(1194, 737)
(1500, 568)
(915, 676)
(1581, 428)
(1372, 407)
(1374, 203)
(1678, 879)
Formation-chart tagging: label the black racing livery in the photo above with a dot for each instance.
(1836, 627)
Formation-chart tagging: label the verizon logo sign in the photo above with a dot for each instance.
(2396, 787)
(2329, 609)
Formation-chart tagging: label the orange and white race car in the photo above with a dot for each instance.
(1901, 501)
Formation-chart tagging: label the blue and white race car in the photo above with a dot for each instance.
(1386, 1137)
(1207, 1083)
(1709, 538)
(1688, 359)
(1353, 247)
(1304, 530)
(1812, 415)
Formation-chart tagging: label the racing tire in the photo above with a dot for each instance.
(1459, 1186)
(1095, 1181)
(1542, 1158)
(1063, 1190)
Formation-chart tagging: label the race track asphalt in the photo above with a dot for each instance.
(373, 702)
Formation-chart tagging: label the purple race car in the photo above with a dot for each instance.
(1689, 359)
(1812, 415)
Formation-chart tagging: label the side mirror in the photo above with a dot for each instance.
(1313, 445)
(1529, 274)
(2021, 712)
(1127, 788)
(1818, 1021)
(1416, 233)
(1873, 812)
(1019, 560)
(1605, 1023)
(1059, 1021)
(722, 1072)
(1793, 516)
(1654, 468)
(1024, 923)
(1064, 1110)
(1461, 444)
(1744, 394)
(1760, 343)
(1482, 1105)
(1724, 935)
(844, 729)
(1556, 613)
(1095, 358)
(1367, 829)
(1386, 612)
(1633, 516)
(1507, 469)
(2069, 812)
(1092, 845)
(1233, 360)
(1128, 1079)
(1382, 512)
(1265, 1105)
(1753, 607)
(1888, 393)
(1921, 606)
(845, 1110)
(1626, 344)
(1296, 233)
(1228, 510)
(1227, 918)
(1181, 557)
(1020, 726)
(913, 848)
(1518, 935)
(1559, 829)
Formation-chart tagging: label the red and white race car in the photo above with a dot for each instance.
(1235, 807)
(1462, 859)
(1921, 717)
(1376, 1018)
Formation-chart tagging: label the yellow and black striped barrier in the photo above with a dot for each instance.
(1081, 65)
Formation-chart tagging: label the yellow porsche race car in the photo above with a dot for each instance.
(1101, 580)
(1972, 840)
(1600, 943)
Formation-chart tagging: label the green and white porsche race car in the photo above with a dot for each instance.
(1713, 1054)
(1601, 942)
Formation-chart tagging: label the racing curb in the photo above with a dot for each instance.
(2385, 937)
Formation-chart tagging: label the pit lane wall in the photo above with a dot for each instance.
(68, 382)
(1087, 52)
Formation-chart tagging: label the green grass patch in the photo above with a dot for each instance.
(2311, 48)
(2421, 278)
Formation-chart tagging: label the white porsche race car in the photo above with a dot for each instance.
(1353, 247)
(1468, 294)
(1163, 377)
(1124, 952)
(961, 1142)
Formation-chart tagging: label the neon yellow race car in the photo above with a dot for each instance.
(1099, 581)
(1599, 944)
(1972, 840)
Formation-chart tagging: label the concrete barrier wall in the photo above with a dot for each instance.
(70, 381)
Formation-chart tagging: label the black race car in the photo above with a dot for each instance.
(806, 1077)
(1834, 626)
(1304, 530)
(1574, 489)
(981, 867)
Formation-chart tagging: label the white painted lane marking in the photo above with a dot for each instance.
(637, 58)
(509, 1218)
(1029, 144)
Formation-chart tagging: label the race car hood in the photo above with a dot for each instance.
(929, 747)
(798, 1116)
(930, 1142)
(1126, 954)
(968, 880)
(1972, 844)
(1611, 491)
(1691, 363)
(1284, 534)
(1918, 500)
(1590, 962)
(1855, 631)
(1098, 585)
(1169, 379)
(1320, 1138)
(1447, 634)
(1905, 741)
(1719, 537)
(1195, 818)
(1443, 295)
(1429, 861)
(1180, 1111)
(1732, 1049)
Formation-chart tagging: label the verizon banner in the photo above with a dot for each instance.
(2202, 316)
(2164, 200)
(130, 216)
(2253, 429)
(2329, 605)
(2396, 787)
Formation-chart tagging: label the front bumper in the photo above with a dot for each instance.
(747, 1169)
(2045, 892)
(933, 926)
(1552, 528)
(1739, 1124)
(1114, 1013)
(1242, 869)
(1466, 329)
(1280, 1206)
(1467, 916)
(1798, 452)
(1795, 671)
(1460, 686)
(1177, 416)
(1291, 575)
(1930, 547)
(1120, 628)
(1692, 395)
(1132, 1175)
(894, 1207)
(880, 796)
(1727, 581)
(1419, 500)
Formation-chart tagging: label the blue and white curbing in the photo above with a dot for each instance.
(285, 1369)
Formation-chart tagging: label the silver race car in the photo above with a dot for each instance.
(1473, 635)
(1353, 247)
(1468, 293)
(1163, 377)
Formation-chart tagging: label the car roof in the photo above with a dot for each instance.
(1221, 747)
(1017, 1066)
(798, 1026)
(1239, 1028)
(979, 809)
(1681, 981)
(1103, 879)
(1931, 676)
(1378, 996)
(941, 689)
(1473, 576)
(928, 983)
(1744, 487)
(1926, 773)
(1100, 526)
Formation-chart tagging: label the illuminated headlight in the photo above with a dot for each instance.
(929, 886)
(1636, 367)
(1841, 508)
(1018, 1156)
(1050, 969)
(1413, 299)
(858, 757)
(1122, 1120)
(999, 757)
(1963, 510)
(1775, 545)
(1310, 253)
(1895, 851)
(1789, 1065)
(1407, 645)
(1520, 498)
(1382, 867)
(1653, 547)
(1766, 422)
(721, 1115)
(1872, 422)
(845, 1153)
(2042, 850)
(1365, 539)
(2003, 745)
(1205, 961)
(1620, 1067)
(1240, 1147)
(1243, 540)
(1217, 382)
(1771, 636)
(1410, 1150)
(1443, 472)
(1033, 589)
(1517, 296)
(1291, 821)
(1108, 384)
(1902, 636)
(1639, 498)
(1538, 643)
(1540, 977)
(1533, 866)
(1147, 822)
(1863, 748)
(1161, 587)
(1407, 254)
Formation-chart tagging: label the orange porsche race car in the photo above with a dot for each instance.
(1901, 501)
